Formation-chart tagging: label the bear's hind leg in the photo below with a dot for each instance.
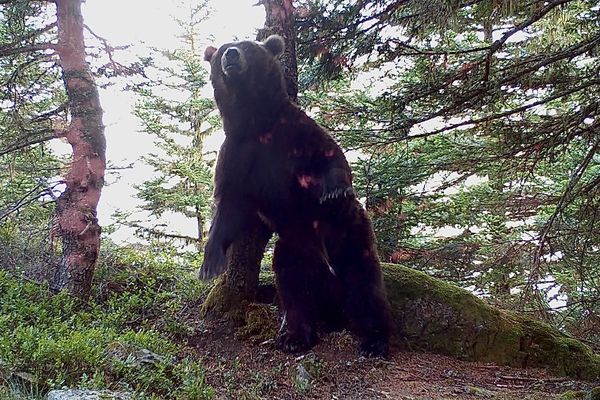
(297, 273)
(365, 302)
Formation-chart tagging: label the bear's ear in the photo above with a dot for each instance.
(208, 53)
(275, 44)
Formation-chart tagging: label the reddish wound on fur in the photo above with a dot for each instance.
(316, 224)
(266, 138)
(329, 153)
(305, 181)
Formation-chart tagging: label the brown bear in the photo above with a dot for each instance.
(278, 164)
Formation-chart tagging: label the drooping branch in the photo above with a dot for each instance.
(560, 206)
(538, 15)
(5, 52)
(26, 143)
(40, 190)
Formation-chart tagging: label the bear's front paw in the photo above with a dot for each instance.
(374, 347)
(335, 193)
(296, 342)
(214, 262)
(335, 184)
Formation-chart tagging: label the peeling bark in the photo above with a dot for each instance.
(76, 220)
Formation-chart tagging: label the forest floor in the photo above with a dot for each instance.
(243, 369)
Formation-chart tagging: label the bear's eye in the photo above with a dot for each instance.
(248, 48)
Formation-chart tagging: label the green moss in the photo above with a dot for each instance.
(437, 316)
(572, 395)
(593, 394)
(223, 302)
(260, 324)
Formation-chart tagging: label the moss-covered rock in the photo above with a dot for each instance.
(436, 316)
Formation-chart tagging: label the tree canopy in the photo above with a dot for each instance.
(476, 130)
(178, 117)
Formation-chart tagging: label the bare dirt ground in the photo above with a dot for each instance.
(246, 369)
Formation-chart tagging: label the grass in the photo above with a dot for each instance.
(127, 337)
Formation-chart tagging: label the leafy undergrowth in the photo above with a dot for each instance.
(142, 332)
(127, 337)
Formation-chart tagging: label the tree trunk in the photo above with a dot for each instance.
(76, 222)
(436, 316)
(280, 20)
(240, 281)
(238, 285)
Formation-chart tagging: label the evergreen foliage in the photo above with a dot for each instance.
(175, 111)
(477, 133)
(32, 106)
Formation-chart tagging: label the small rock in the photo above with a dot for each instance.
(302, 374)
(479, 392)
(84, 394)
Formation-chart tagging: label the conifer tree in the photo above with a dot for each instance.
(174, 110)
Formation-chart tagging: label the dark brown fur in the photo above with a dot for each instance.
(278, 163)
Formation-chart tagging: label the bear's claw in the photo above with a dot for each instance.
(334, 194)
(296, 342)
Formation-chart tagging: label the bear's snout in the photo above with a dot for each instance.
(232, 61)
(232, 54)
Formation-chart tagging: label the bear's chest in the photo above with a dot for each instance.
(256, 168)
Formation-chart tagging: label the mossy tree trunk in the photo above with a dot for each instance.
(436, 316)
(238, 285)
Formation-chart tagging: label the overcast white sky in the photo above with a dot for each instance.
(151, 22)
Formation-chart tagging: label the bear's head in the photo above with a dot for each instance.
(243, 73)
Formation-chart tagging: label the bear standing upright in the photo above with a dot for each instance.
(278, 164)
